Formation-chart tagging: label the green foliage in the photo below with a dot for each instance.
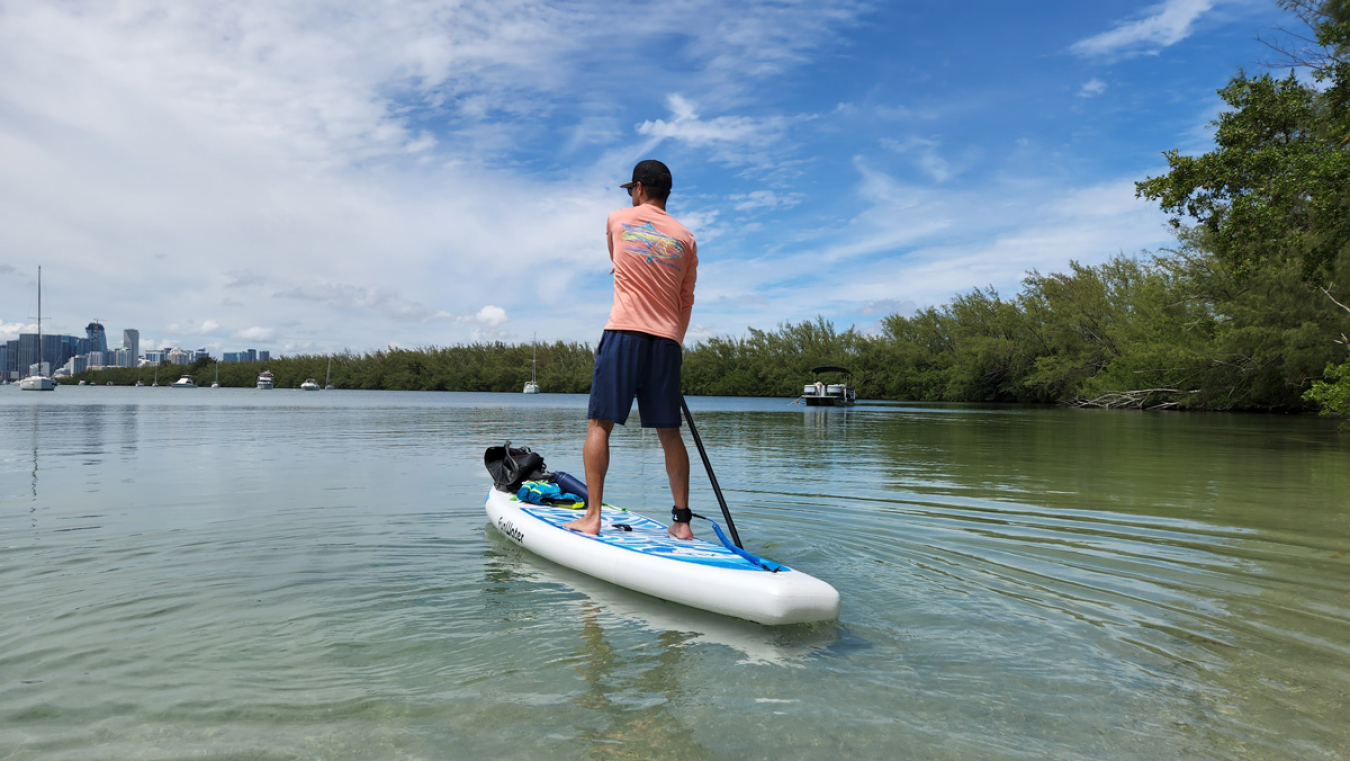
(562, 368)
(1255, 342)
(1082, 321)
(766, 363)
(1332, 393)
(1272, 202)
(1181, 330)
(1047, 345)
(1277, 184)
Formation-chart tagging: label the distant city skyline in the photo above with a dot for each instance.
(62, 354)
(10, 331)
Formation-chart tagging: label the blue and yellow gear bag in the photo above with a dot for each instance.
(548, 493)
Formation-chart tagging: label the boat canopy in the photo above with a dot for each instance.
(830, 369)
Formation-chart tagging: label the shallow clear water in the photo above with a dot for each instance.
(229, 573)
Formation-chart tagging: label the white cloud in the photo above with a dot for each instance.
(1092, 88)
(382, 300)
(912, 247)
(764, 199)
(1088, 224)
(723, 129)
(763, 37)
(886, 307)
(924, 154)
(204, 328)
(255, 334)
(195, 156)
(745, 299)
(1164, 25)
(490, 316)
(735, 140)
(488, 324)
(239, 279)
(9, 331)
(898, 216)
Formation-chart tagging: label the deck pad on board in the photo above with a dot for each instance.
(647, 536)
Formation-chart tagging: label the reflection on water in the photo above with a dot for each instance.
(36, 428)
(277, 574)
(636, 695)
(639, 714)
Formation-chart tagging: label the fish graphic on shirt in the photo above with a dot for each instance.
(652, 244)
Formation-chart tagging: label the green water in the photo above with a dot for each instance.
(232, 573)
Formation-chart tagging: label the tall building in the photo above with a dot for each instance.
(24, 354)
(17, 356)
(69, 346)
(131, 341)
(264, 356)
(98, 340)
(28, 354)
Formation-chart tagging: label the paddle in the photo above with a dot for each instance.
(711, 476)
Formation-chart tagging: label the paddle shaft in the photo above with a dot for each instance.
(731, 525)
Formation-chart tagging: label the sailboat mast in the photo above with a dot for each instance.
(39, 346)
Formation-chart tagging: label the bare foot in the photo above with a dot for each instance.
(585, 525)
(681, 531)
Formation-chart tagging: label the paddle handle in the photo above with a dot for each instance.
(731, 525)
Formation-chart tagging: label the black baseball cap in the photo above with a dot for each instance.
(651, 173)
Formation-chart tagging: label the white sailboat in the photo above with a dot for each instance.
(532, 387)
(38, 381)
(328, 379)
(216, 382)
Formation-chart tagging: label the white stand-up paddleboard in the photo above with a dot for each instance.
(644, 558)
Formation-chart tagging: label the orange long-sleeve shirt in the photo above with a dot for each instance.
(655, 266)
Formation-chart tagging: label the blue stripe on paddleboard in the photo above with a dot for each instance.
(648, 537)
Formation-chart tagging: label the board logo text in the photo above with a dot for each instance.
(510, 530)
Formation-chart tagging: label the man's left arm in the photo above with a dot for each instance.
(687, 290)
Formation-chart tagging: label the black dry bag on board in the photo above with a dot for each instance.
(512, 466)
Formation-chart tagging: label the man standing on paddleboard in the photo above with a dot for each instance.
(641, 350)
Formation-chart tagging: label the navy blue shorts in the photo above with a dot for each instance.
(631, 365)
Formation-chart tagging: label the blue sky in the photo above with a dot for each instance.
(312, 176)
